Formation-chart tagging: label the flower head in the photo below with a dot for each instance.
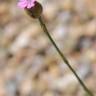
(26, 3)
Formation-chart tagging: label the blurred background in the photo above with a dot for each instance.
(30, 65)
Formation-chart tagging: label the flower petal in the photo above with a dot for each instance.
(26, 3)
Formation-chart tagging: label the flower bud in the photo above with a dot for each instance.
(35, 11)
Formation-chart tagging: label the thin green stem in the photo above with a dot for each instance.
(62, 56)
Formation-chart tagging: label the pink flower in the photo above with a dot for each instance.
(26, 3)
